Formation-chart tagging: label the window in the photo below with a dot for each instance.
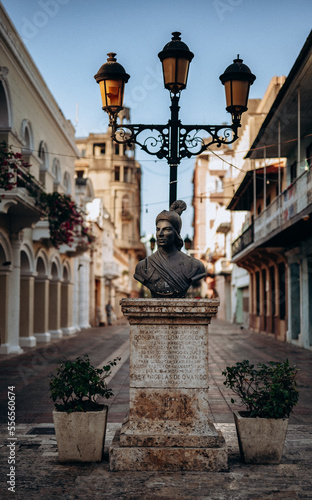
(293, 172)
(83, 153)
(99, 148)
(67, 183)
(282, 290)
(129, 150)
(4, 107)
(117, 174)
(27, 135)
(116, 149)
(44, 167)
(257, 293)
(219, 185)
(125, 206)
(273, 291)
(43, 156)
(127, 174)
(56, 172)
(309, 156)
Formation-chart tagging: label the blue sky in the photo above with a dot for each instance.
(69, 40)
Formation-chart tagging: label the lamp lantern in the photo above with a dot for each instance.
(237, 79)
(187, 243)
(152, 243)
(112, 78)
(173, 140)
(175, 58)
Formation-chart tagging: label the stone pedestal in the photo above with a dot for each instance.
(168, 426)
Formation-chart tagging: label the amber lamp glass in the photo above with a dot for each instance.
(237, 79)
(175, 58)
(112, 92)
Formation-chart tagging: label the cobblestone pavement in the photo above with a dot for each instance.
(40, 475)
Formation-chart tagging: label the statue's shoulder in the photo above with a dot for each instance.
(191, 262)
(196, 268)
(143, 270)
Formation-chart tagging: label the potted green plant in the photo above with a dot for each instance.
(79, 419)
(268, 393)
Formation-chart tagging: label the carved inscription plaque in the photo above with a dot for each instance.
(169, 356)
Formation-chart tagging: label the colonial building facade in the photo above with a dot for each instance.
(275, 248)
(116, 177)
(216, 176)
(42, 288)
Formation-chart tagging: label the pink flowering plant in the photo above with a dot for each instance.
(66, 219)
(86, 232)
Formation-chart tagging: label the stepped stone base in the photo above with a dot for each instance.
(161, 458)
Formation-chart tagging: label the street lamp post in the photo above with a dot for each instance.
(174, 141)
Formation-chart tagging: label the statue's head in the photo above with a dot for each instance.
(172, 216)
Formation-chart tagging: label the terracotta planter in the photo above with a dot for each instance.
(261, 440)
(80, 436)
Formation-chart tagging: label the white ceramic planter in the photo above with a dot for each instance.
(261, 440)
(80, 436)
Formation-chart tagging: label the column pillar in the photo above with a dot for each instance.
(4, 308)
(305, 304)
(251, 299)
(75, 295)
(66, 308)
(169, 427)
(270, 298)
(27, 338)
(41, 310)
(55, 309)
(13, 305)
(263, 278)
(277, 298)
(83, 276)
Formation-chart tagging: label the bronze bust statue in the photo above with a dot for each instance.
(169, 272)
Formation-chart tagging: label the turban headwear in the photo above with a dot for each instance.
(173, 216)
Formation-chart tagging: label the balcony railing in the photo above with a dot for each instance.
(243, 241)
(285, 207)
(296, 198)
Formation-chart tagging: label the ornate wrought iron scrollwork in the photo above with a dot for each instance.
(193, 142)
(155, 142)
(192, 139)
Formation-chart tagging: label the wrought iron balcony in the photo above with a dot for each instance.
(20, 201)
(293, 205)
(284, 209)
(243, 241)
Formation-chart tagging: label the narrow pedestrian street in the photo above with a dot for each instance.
(40, 475)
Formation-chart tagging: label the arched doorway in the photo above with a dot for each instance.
(27, 288)
(55, 301)
(5, 270)
(5, 108)
(41, 300)
(67, 302)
